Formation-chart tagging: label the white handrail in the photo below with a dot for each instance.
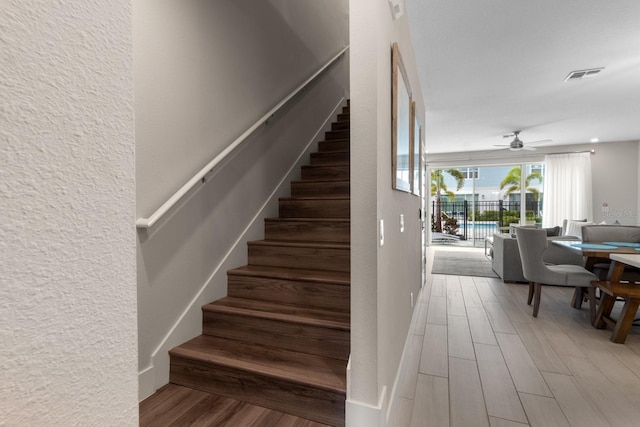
(166, 206)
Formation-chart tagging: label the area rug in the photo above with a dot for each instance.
(462, 263)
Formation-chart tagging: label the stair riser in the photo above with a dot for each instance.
(337, 134)
(311, 231)
(292, 292)
(330, 259)
(320, 405)
(325, 172)
(310, 339)
(339, 145)
(346, 110)
(321, 208)
(344, 116)
(320, 188)
(330, 158)
(342, 125)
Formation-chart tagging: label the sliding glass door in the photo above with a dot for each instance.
(473, 202)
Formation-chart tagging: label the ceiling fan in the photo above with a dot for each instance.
(517, 144)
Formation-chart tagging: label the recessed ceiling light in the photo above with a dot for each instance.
(594, 140)
(582, 74)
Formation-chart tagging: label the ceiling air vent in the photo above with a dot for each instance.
(582, 74)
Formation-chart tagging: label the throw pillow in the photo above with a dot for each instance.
(553, 231)
(566, 221)
(574, 228)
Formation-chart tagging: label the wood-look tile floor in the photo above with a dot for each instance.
(478, 358)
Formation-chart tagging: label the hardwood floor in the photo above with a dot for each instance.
(174, 405)
(479, 358)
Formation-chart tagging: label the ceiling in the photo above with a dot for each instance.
(489, 67)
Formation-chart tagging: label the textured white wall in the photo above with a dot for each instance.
(67, 249)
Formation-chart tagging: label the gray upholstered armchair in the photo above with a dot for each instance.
(506, 256)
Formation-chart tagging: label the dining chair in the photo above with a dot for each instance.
(532, 243)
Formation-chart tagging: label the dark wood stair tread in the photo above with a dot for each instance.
(309, 219)
(337, 140)
(304, 369)
(333, 277)
(296, 244)
(325, 166)
(315, 198)
(280, 312)
(318, 180)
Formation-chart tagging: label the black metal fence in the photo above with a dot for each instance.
(490, 216)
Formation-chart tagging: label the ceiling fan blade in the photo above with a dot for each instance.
(540, 142)
(528, 148)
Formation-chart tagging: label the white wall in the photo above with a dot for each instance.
(67, 252)
(614, 169)
(382, 278)
(204, 73)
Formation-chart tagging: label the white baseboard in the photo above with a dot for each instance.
(146, 382)
(360, 414)
(393, 398)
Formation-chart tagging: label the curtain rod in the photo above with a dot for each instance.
(592, 151)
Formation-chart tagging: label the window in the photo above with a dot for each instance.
(469, 173)
(537, 169)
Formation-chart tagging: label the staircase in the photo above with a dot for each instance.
(280, 339)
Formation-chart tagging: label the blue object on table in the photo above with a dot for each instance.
(594, 246)
(624, 244)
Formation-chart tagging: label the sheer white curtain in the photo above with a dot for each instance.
(567, 188)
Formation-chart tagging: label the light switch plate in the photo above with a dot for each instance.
(401, 223)
(381, 232)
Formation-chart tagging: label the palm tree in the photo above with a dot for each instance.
(512, 183)
(438, 187)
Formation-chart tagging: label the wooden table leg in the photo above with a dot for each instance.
(625, 320)
(573, 298)
(592, 305)
(604, 310)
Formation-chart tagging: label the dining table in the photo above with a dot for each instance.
(620, 255)
(594, 251)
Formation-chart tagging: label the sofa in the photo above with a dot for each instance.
(506, 260)
(612, 233)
